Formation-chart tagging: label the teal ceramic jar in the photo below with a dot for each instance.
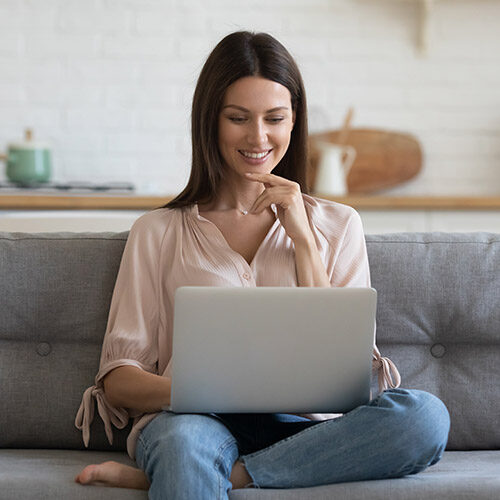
(28, 162)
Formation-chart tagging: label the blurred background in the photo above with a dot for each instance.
(107, 86)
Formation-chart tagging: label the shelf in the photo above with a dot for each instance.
(127, 202)
(420, 202)
(80, 202)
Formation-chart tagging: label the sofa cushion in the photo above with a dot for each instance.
(55, 291)
(438, 319)
(48, 474)
(458, 475)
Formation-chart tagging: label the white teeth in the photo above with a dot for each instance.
(254, 155)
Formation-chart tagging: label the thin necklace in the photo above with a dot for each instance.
(242, 211)
(245, 212)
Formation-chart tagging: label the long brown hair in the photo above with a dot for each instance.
(238, 55)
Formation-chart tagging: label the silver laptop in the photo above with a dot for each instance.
(272, 349)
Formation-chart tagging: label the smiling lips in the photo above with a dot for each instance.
(257, 157)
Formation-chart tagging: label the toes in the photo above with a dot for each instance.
(87, 475)
(113, 474)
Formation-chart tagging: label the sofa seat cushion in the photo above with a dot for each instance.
(49, 474)
(458, 475)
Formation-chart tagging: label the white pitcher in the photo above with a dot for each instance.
(334, 165)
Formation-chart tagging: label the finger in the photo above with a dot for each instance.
(272, 179)
(277, 195)
(259, 203)
(282, 196)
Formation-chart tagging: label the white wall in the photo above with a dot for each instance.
(109, 82)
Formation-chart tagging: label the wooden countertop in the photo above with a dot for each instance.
(38, 201)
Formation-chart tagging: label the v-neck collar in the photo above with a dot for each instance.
(196, 213)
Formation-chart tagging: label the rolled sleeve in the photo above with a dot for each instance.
(132, 327)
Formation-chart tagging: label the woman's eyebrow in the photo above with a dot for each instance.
(247, 110)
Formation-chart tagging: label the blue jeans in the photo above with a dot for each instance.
(186, 456)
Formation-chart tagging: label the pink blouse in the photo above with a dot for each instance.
(168, 248)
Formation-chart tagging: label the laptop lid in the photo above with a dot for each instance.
(272, 349)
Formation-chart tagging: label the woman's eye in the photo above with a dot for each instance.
(239, 119)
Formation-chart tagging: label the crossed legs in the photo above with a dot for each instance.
(399, 432)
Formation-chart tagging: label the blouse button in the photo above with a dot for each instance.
(246, 276)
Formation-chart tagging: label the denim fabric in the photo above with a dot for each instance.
(187, 456)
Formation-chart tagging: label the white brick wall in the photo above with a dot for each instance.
(109, 82)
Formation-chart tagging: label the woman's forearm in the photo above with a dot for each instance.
(131, 387)
(310, 268)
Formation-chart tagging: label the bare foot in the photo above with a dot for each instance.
(123, 476)
(113, 474)
(239, 476)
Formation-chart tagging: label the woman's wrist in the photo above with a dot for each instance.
(131, 387)
(306, 243)
(310, 268)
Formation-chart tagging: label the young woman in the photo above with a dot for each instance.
(244, 219)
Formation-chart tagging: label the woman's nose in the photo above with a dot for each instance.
(257, 133)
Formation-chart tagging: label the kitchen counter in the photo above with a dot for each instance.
(84, 201)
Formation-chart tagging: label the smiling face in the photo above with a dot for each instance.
(255, 125)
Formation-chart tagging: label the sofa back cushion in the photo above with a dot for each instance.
(55, 292)
(438, 319)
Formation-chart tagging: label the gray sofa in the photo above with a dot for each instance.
(438, 319)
